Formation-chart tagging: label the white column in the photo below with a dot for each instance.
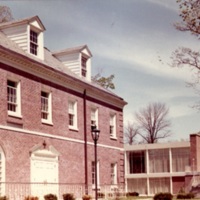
(147, 170)
(170, 170)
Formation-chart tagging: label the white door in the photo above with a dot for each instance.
(44, 174)
(45, 171)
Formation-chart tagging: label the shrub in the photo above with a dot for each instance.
(190, 196)
(110, 194)
(185, 196)
(50, 197)
(31, 198)
(101, 195)
(132, 194)
(4, 198)
(163, 196)
(68, 196)
(86, 197)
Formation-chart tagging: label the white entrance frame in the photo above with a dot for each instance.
(44, 182)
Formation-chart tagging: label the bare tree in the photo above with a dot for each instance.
(190, 14)
(131, 131)
(153, 122)
(5, 14)
(183, 56)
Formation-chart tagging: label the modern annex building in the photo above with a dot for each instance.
(163, 167)
(47, 106)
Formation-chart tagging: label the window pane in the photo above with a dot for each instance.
(12, 95)
(33, 48)
(33, 42)
(84, 72)
(33, 36)
(180, 159)
(93, 116)
(137, 162)
(71, 119)
(112, 126)
(137, 185)
(113, 173)
(44, 105)
(71, 107)
(83, 62)
(158, 160)
(159, 184)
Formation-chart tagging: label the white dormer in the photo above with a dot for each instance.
(27, 33)
(77, 59)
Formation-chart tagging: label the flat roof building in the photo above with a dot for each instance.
(163, 167)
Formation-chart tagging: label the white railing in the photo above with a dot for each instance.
(18, 191)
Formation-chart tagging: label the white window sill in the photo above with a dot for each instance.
(48, 122)
(113, 137)
(73, 128)
(14, 114)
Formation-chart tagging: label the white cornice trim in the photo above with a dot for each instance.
(59, 78)
(56, 137)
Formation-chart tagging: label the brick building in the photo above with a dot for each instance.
(47, 106)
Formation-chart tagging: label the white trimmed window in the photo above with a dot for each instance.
(46, 109)
(113, 168)
(33, 42)
(113, 125)
(72, 114)
(84, 66)
(93, 173)
(94, 116)
(13, 98)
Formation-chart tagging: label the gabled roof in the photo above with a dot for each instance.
(78, 49)
(23, 21)
(50, 61)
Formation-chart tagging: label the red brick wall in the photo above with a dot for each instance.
(17, 145)
(177, 184)
(195, 152)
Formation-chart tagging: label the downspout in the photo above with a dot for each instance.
(85, 141)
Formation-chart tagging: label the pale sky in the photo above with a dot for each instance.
(127, 38)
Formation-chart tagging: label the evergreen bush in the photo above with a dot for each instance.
(132, 194)
(163, 196)
(31, 198)
(185, 196)
(50, 197)
(68, 196)
(101, 195)
(86, 197)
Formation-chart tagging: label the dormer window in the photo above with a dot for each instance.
(77, 59)
(84, 66)
(33, 42)
(28, 34)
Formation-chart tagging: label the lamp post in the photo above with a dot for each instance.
(95, 136)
